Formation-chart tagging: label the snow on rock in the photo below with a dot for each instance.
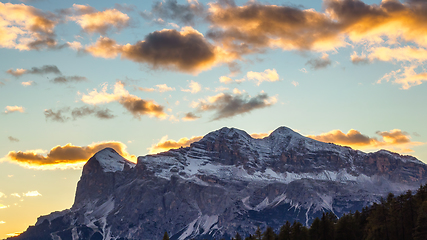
(111, 161)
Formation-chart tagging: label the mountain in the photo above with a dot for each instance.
(225, 183)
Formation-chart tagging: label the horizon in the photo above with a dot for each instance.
(145, 77)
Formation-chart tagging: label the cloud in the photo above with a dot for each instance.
(406, 77)
(359, 60)
(15, 195)
(2, 206)
(166, 144)
(190, 117)
(295, 83)
(170, 9)
(133, 104)
(164, 88)
(2, 195)
(68, 79)
(85, 111)
(319, 63)
(64, 157)
(260, 135)
(225, 80)
(194, 87)
(29, 83)
(31, 194)
(186, 51)
(26, 28)
(255, 26)
(46, 69)
(56, 116)
(93, 21)
(11, 109)
(77, 112)
(12, 139)
(396, 140)
(267, 76)
(2, 222)
(139, 107)
(226, 106)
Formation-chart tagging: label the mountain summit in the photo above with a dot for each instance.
(225, 183)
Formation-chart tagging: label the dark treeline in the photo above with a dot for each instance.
(402, 217)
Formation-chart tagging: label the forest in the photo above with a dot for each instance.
(402, 217)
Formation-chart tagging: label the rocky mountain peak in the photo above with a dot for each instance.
(106, 160)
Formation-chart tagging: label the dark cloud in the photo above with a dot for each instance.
(85, 111)
(125, 7)
(46, 69)
(170, 48)
(359, 60)
(139, 107)
(172, 10)
(67, 79)
(12, 139)
(352, 138)
(190, 117)
(319, 63)
(56, 116)
(78, 112)
(186, 51)
(226, 105)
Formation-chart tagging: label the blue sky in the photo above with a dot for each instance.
(145, 76)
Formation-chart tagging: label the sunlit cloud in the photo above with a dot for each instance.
(29, 83)
(31, 194)
(15, 195)
(406, 77)
(187, 51)
(2, 222)
(260, 135)
(3, 206)
(193, 87)
(164, 88)
(96, 21)
(132, 103)
(225, 80)
(225, 105)
(395, 140)
(11, 109)
(166, 144)
(2, 195)
(63, 157)
(25, 27)
(267, 76)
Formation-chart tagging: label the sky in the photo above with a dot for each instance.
(146, 76)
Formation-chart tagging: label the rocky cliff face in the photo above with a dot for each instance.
(224, 183)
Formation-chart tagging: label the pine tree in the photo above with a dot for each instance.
(269, 234)
(237, 236)
(165, 236)
(285, 232)
(420, 232)
(258, 233)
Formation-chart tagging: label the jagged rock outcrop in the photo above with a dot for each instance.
(226, 182)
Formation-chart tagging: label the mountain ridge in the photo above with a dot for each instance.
(226, 182)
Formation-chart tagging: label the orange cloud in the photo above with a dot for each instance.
(133, 104)
(93, 21)
(260, 135)
(396, 140)
(25, 27)
(186, 51)
(64, 157)
(406, 77)
(166, 144)
(267, 76)
(11, 109)
(193, 87)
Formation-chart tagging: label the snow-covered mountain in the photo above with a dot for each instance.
(225, 183)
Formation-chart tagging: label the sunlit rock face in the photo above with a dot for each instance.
(225, 183)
